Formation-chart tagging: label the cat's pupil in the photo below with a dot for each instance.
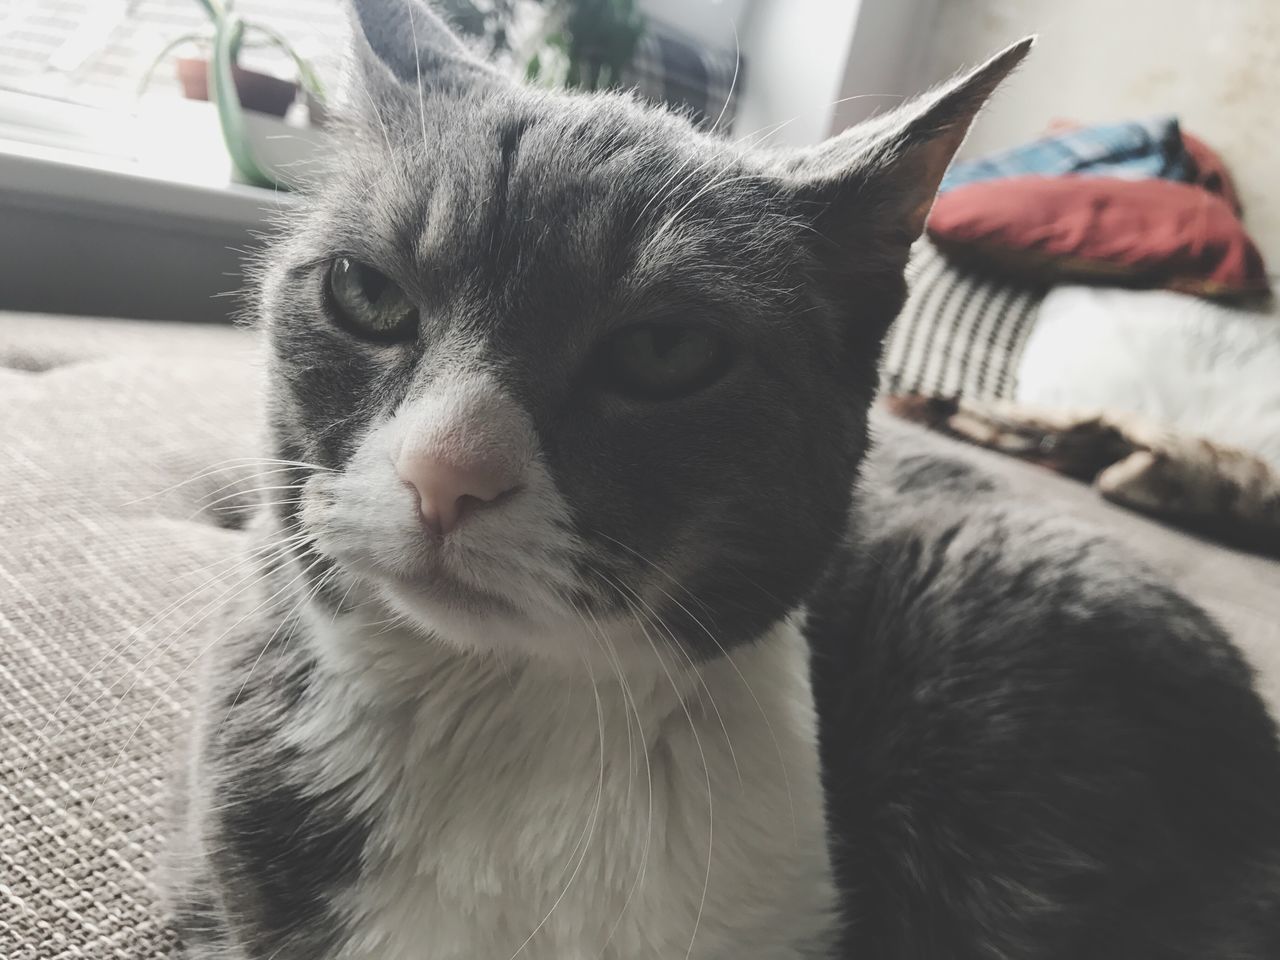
(667, 341)
(660, 361)
(372, 283)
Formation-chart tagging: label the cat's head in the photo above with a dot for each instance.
(567, 367)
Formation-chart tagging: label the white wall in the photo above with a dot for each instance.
(1213, 63)
(797, 51)
(887, 59)
(711, 21)
(820, 65)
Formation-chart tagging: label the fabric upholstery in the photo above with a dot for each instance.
(105, 599)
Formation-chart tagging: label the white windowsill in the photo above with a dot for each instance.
(165, 163)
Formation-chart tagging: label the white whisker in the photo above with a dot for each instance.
(181, 673)
(119, 649)
(777, 746)
(629, 700)
(589, 832)
(706, 769)
(307, 596)
(223, 466)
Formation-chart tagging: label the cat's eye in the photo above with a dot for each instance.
(661, 361)
(369, 304)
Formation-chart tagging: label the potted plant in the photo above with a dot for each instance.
(234, 89)
(585, 44)
(588, 43)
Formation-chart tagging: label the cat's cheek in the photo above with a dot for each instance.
(363, 522)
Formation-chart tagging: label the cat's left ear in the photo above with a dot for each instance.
(869, 190)
(409, 40)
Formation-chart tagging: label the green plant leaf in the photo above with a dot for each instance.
(222, 81)
(306, 75)
(602, 36)
(213, 8)
(168, 48)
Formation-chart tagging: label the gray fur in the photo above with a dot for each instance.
(1035, 747)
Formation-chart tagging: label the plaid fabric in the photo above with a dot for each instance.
(960, 334)
(1133, 151)
(677, 70)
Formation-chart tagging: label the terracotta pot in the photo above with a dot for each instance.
(257, 91)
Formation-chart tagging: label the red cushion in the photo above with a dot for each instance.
(1156, 233)
(1210, 171)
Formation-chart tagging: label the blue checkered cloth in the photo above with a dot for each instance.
(1135, 150)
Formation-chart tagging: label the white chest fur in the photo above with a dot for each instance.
(530, 812)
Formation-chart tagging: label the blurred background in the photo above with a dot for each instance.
(135, 189)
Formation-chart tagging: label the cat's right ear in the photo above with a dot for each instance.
(404, 42)
(870, 188)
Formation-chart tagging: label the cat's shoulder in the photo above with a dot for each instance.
(935, 532)
(1014, 715)
(945, 568)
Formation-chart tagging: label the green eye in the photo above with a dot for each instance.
(368, 304)
(664, 361)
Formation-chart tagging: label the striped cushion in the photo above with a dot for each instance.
(960, 334)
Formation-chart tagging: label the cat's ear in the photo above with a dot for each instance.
(409, 40)
(869, 190)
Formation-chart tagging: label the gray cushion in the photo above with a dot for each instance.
(105, 599)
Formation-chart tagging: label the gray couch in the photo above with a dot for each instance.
(123, 500)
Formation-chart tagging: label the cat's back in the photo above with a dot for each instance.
(1034, 746)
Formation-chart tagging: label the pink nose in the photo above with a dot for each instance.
(447, 491)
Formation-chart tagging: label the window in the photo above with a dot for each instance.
(96, 52)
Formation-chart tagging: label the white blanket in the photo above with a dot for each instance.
(1202, 368)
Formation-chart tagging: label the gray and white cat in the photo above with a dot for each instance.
(571, 401)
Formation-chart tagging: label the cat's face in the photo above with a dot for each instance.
(577, 377)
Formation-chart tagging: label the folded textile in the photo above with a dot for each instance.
(1148, 233)
(1209, 171)
(1133, 150)
(1206, 487)
(1203, 167)
(1204, 369)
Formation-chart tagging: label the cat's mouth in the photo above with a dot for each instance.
(437, 585)
(506, 572)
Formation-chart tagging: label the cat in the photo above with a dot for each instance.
(577, 633)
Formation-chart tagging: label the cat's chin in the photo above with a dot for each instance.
(442, 590)
(472, 622)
